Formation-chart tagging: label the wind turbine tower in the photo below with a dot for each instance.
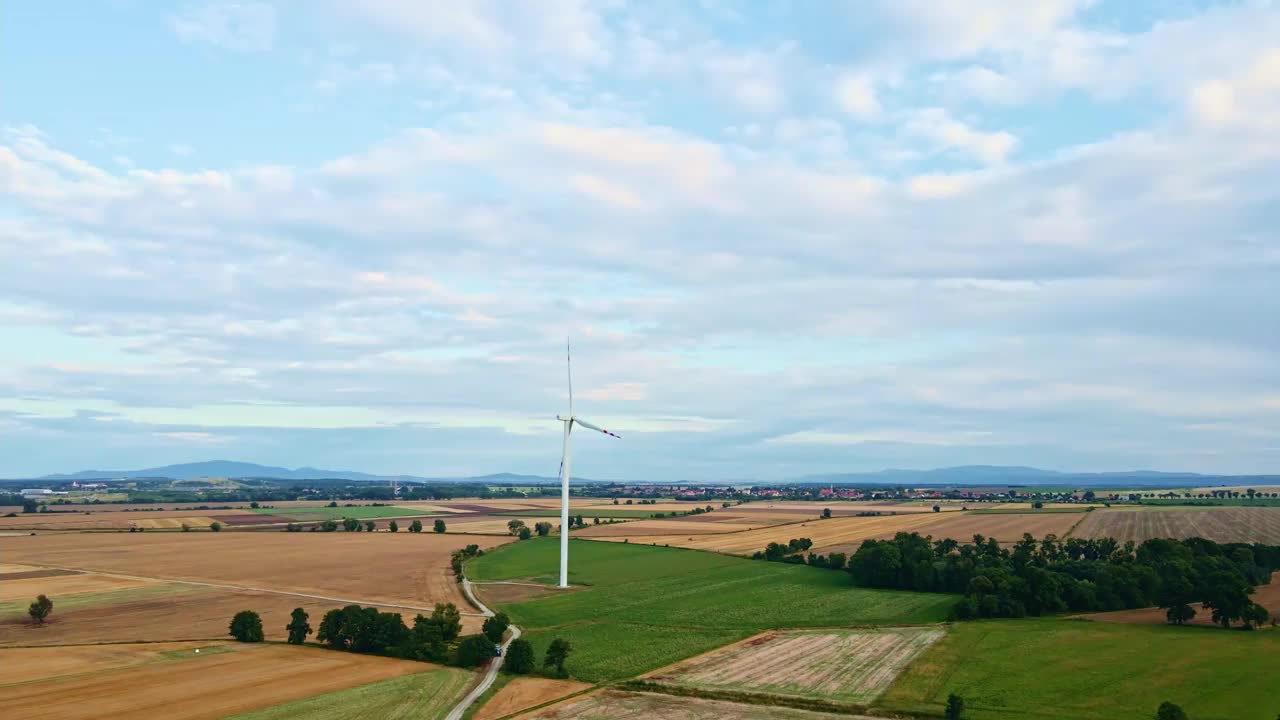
(569, 422)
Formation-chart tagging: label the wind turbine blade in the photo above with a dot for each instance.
(568, 366)
(597, 428)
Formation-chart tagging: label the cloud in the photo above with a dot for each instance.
(947, 133)
(240, 26)
(856, 95)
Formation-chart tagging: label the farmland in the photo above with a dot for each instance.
(1071, 670)
(362, 512)
(422, 695)
(383, 568)
(184, 684)
(526, 692)
(851, 666)
(617, 705)
(681, 603)
(1268, 596)
(1225, 524)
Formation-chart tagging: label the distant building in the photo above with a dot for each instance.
(36, 492)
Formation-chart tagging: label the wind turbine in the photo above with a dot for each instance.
(569, 422)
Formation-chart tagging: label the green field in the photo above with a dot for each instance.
(1054, 669)
(603, 511)
(647, 606)
(363, 512)
(424, 695)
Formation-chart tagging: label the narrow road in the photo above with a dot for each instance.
(495, 664)
(249, 588)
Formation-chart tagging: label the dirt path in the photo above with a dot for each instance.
(494, 665)
(224, 586)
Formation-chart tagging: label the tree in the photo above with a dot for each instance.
(40, 609)
(369, 525)
(298, 626)
(543, 528)
(1179, 614)
(473, 650)
(350, 524)
(937, 508)
(30, 506)
(246, 626)
(557, 654)
(494, 627)
(525, 533)
(826, 512)
(215, 526)
(519, 657)
(447, 616)
(955, 707)
(415, 526)
(513, 526)
(393, 527)
(329, 525)
(439, 526)
(1169, 711)
(254, 505)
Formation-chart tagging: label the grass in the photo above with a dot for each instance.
(423, 695)
(588, 513)
(364, 512)
(647, 606)
(1052, 669)
(106, 597)
(204, 651)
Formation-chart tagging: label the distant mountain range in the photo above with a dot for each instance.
(964, 475)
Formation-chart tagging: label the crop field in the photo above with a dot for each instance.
(836, 531)
(195, 686)
(526, 692)
(618, 705)
(1071, 670)
(62, 584)
(423, 695)
(1268, 596)
(683, 526)
(485, 524)
(116, 520)
(362, 512)
(645, 607)
(378, 568)
(1226, 524)
(600, 511)
(44, 663)
(853, 666)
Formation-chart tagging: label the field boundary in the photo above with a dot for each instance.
(748, 698)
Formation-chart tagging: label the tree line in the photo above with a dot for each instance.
(1046, 576)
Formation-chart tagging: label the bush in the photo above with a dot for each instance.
(955, 707)
(525, 533)
(439, 526)
(329, 525)
(415, 526)
(216, 526)
(246, 626)
(495, 627)
(1169, 711)
(519, 657)
(393, 527)
(40, 609)
(473, 650)
(350, 524)
(369, 525)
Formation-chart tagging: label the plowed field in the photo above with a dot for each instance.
(1221, 524)
(852, 666)
(526, 692)
(616, 705)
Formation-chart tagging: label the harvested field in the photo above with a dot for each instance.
(424, 695)
(1220, 524)
(824, 533)
(176, 523)
(526, 692)
(206, 686)
(44, 663)
(164, 612)
(113, 519)
(387, 568)
(65, 584)
(34, 573)
(852, 666)
(1268, 596)
(617, 705)
(1005, 527)
(489, 524)
(663, 527)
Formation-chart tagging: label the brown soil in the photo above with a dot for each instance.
(44, 663)
(524, 693)
(1220, 524)
(200, 687)
(65, 584)
(395, 568)
(26, 574)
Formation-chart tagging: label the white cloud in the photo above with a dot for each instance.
(243, 26)
(947, 133)
(856, 95)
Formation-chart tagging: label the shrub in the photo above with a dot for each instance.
(215, 526)
(525, 533)
(439, 526)
(415, 526)
(246, 626)
(40, 609)
(393, 527)
(1169, 711)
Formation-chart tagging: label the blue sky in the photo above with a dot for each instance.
(786, 237)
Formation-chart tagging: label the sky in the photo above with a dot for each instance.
(786, 238)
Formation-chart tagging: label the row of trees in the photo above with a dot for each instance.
(1037, 577)
(355, 525)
